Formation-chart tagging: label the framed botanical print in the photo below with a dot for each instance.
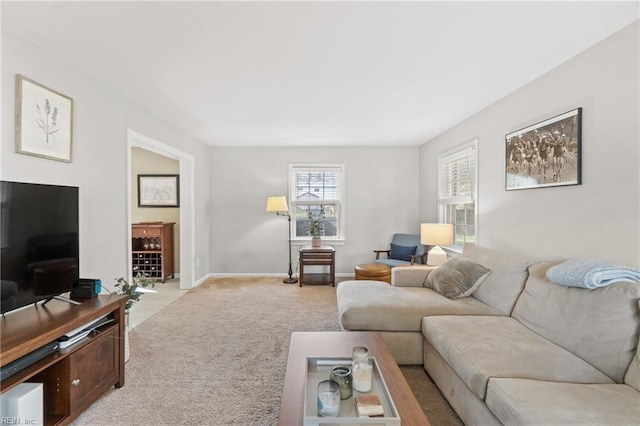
(44, 121)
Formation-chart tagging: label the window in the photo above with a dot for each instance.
(316, 193)
(457, 189)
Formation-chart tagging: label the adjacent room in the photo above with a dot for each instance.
(261, 213)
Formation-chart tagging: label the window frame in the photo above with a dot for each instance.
(453, 154)
(340, 202)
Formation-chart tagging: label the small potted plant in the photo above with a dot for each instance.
(140, 280)
(132, 290)
(315, 227)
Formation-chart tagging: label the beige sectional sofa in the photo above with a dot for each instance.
(520, 350)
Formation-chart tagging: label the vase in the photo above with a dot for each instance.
(126, 336)
(316, 242)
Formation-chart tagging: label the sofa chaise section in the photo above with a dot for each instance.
(397, 311)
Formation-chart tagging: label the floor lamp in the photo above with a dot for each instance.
(278, 204)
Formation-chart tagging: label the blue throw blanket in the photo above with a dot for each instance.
(590, 274)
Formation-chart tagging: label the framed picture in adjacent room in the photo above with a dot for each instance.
(545, 154)
(158, 191)
(44, 121)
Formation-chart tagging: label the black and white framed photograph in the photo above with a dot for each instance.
(44, 121)
(545, 154)
(158, 191)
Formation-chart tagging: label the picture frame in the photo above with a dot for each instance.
(158, 191)
(44, 121)
(545, 154)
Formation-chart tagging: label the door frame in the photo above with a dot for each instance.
(187, 200)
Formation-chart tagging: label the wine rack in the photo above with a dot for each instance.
(152, 249)
(148, 263)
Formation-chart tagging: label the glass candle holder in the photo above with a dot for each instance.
(328, 398)
(341, 374)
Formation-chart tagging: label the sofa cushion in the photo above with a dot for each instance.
(481, 347)
(457, 277)
(508, 275)
(600, 326)
(632, 378)
(392, 263)
(402, 252)
(374, 305)
(532, 402)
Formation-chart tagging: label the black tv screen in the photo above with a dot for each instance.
(39, 243)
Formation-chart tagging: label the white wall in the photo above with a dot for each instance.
(381, 199)
(101, 119)
(598, 219)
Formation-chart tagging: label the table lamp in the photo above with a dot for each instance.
(436, 234)
(278, 205)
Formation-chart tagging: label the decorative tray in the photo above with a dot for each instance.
(319, 369)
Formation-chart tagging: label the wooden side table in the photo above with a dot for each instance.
(322, 256)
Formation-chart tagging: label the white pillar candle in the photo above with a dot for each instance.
(362, 376)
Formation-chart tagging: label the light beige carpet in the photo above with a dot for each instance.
(217, 356)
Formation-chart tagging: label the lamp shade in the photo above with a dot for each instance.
(436, 234)
(277, 203)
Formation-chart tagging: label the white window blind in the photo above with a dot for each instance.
(316, 193)
(457, 190)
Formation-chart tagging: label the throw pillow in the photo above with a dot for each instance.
(402, 252)
(456, 278)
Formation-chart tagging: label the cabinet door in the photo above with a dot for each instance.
(93, 369)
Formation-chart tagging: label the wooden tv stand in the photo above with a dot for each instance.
(78, 375)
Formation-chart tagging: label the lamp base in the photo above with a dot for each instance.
(290, 280)
(436, 256)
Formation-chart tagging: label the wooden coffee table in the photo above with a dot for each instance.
(339, 344)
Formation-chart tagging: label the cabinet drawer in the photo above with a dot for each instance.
(146, 232)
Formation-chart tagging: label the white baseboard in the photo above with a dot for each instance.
(201, 280)
(267, 274)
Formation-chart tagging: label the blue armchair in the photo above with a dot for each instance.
(405, 250)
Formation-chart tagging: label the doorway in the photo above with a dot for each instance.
(168, 160)
(186, 241)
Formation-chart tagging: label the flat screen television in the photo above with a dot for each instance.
(39, 257)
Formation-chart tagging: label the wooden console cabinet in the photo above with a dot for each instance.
(152, 249)
(78, 375)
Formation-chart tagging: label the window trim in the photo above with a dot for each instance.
(451, 155)
(339, 239)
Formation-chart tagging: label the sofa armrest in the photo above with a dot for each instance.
(410, 276)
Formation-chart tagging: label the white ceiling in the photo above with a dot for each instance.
(315, 73)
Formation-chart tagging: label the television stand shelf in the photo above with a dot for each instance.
(152, 249)
(78, 375)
